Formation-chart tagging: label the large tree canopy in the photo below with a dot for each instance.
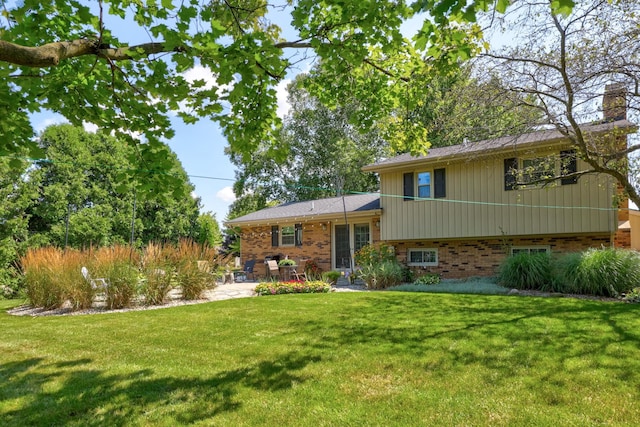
(89, 62)
(563, 65)
(324, 153)
(81, 197)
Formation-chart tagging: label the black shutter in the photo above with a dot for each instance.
(568, 164)
(408, 186)
(510, 168)
(440, 187)
(298, 234)
(274, 235)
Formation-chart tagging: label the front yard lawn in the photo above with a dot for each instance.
(370, 358)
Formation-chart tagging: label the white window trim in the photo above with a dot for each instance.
(528, 248)
(352, 239)
(417, 183)
(282, 234)
(422, 264)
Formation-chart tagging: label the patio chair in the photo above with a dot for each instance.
(299, 276)
(248, 268)
(274, 270)
(96, 283)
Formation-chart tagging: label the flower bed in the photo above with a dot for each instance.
(293, 287)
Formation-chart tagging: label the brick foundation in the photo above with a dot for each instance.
(482, 257)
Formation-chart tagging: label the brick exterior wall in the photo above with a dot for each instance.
(316, 244)
(482, 257)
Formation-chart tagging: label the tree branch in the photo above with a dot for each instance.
(51, 54)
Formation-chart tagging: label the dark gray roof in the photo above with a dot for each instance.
(313, 208)
(472, 149)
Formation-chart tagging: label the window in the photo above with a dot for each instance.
(530, 250)
(422, 257)
(361, 236)
(288, 236)
(424, 185)
(530, 172)
(568, 165)
(535, 170)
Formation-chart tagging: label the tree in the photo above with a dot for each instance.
(68, 56)
(14, 199)
(83, 199)
(323, 150)
(209, 230)
(563, 64)
(468, 105)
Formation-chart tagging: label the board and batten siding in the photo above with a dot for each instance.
(477, 205)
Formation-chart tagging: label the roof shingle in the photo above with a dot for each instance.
(313, 208)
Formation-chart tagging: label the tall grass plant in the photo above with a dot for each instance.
(118, 266)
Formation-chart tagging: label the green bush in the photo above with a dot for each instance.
(526, 271)
(279, 288)
(602, 272)
(331, 277)
(286, 262)
(428, 279)
(157, 270)
(374, 254)
(381, 275)
(312, 270)
(193, 269)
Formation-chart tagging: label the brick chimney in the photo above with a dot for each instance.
(614, 102)
(614, 107)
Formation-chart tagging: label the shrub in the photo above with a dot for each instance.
(193, 269)
(312, 270)
(374, 254)
(157, 268)
(427, 279)
(381, 275)
(331, 277)
(279, 288)
(408, 276)
(602, 272)
(632, 296)
(526, 271)
(41, 271)
(77, 289)
(117, 265)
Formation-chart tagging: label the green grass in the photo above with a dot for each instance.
(341, 359)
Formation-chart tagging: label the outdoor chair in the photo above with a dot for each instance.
(274, 270)
(96, 283)
(248, 268)
(299, 276)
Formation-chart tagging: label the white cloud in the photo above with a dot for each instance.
(226, 195)
(90, 127)
(281, 93)
(41, 126)
(200, 73)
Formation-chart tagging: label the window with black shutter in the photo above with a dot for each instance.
(298, 234)
(439, 184)
(408, 186)
(510, 168)
(274, 235)
(568, 165)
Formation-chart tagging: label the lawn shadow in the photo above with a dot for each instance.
(500, 333)
(75, 392)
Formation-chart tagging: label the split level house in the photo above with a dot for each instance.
(458, 211)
